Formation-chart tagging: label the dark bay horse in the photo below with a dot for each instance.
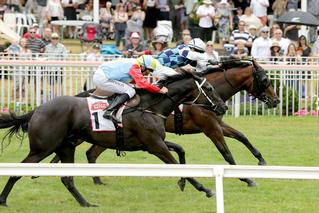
(55, 126)
(233, 76)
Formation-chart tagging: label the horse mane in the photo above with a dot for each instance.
(173, 78)
(169, 79)
(227, 63)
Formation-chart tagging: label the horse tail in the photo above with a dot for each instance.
(15, 122)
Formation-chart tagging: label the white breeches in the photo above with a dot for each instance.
(100, 80)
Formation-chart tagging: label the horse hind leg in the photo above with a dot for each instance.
(92, 154)
(55, 159)
(31, 158)
(162, 152)
(66, 154)
(181, 157)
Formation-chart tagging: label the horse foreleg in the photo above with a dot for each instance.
(92, 154)
(162, 152)
(66, 154)
(31, 158)
(214, 132)
(230, 132)
(181, 156)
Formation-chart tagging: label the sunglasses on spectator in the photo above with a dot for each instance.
(55, 38)
(186, 34)
(265, 31)
(209, 45)
(32, 32)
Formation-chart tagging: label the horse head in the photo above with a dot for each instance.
(261, 87)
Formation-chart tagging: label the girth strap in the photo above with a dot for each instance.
(178, 121)
(119, 136)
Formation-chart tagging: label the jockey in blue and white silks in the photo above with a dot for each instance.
(185, 55)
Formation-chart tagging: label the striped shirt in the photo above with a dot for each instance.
(237, 35)
(35, 45)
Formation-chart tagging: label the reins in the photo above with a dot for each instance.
(200, 89)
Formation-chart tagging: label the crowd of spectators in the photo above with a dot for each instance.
(242, 26)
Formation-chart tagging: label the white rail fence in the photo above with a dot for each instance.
(161, 170)
(25, 84)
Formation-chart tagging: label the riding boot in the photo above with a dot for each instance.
(110, 112)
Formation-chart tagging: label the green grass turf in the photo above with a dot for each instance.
(282, 141)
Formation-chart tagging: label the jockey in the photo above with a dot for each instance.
(185, 56)
(115, 76)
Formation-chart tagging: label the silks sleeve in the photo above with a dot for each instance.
(135, 73)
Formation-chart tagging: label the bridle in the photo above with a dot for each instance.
(259, 85)
(201, 91)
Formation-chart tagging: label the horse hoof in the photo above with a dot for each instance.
(262, 163)
(252, 184)
(3, 203)
(181, 183)
(209, 193)
(98, 182)
(87, 205)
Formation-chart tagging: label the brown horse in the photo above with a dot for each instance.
(57, 125)
(232, 77)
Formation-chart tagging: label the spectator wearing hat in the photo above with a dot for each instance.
(261, 46)
(252, 30)
(249, 18)
(206, 14)
(134, 48)
(283, 42)
(56, 50)
(225, 21)
(275, 52)
(158, 46)
(34, 27)
(260, 9)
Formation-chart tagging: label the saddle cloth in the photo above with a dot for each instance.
(98, 122)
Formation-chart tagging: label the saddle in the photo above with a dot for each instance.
(102, 94)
